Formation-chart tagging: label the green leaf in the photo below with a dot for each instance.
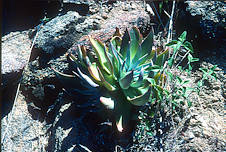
(177, 47)
(139, 82)
(179, 79)
(138, 62)
(125, 43)
(146, 45)
(170, 75)
(149, 133)
(140, 100)
(189, 67)
(94, 72)
(126, 80)
(182, 37)
(170, 61)
(128, 56)
(173, 42)
(186, 81)
(161, 58)
(151, 81)
(188, 46)
(135, 39)
(104, 82)
(87, 78)
(190, 57)
(189, 103)
(180, 68)
(99, 49)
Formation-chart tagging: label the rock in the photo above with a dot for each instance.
(212, 16)
(15, 55)
(20, 132)
(15, 51)
(118, 17)
(59, 33)
(205, 23)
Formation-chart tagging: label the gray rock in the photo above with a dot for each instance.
(20, 131)
(15, 51)
(15, 55)
(205, 22)
(59, 33)
(212, 15)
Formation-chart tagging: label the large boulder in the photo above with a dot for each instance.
(205, 23)
(15, 55)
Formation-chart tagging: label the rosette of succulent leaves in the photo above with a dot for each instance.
(126, 74)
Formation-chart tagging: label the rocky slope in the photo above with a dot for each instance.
(45, 118)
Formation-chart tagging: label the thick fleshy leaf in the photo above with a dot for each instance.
(147, 44)
(133, 92)
(119, 124)
(68, 81)
(94, 72)
(146, 66)
(110, 64)
(128, 56)
(116, 41)
(87, 78)
(100, 52)
(122, 71)
(116, 54)
(79, 52)
(104, 82)
(135, 39)
(80, 56)
(138, 62)
(125, 44)
(140, 100)
(139, 82)
(107, 102)
(126, 80)
(123, 113)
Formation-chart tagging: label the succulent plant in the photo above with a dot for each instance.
(128, 73)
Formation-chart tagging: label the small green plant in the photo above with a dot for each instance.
(176, 90)
(208, 74)
(128, 73)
